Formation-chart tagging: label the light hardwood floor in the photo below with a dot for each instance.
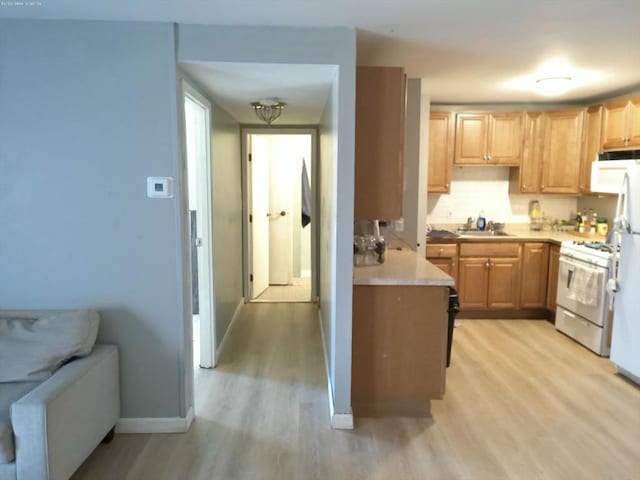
(522, 402)
(298, 291)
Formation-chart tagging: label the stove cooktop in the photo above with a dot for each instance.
(592, 252)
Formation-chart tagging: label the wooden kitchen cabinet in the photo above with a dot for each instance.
(535, 268)
(561, 151)
(552, 283)
(526, 178)
(445, 257)
(489, 275)
(621, 124)
(441, 144)
(399, 349)
(379, 142)
(591, 145)
(489, 138)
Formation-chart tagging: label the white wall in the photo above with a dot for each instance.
(326, 46)
(487, 188)
(88, 111)
(226, 187)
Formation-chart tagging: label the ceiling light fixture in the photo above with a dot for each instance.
(268, 110)
(553, 86)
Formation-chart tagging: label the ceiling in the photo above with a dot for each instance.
(466, 51)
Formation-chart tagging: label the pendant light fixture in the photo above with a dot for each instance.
(268, 110)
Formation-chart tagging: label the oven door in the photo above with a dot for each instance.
(582, 289)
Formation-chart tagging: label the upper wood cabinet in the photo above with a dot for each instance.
(621, 124)
(379, 168)
(561, 151)
(591, 145)
(488, 138)
(526, 179)
(441, 143)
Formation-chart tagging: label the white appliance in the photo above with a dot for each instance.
(609, 169)
(582, 300)
(624, 282)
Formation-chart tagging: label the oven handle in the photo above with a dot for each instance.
(569, 277)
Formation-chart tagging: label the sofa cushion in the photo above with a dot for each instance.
(32, 348)
(9, 393)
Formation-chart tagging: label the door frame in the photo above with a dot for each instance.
(315, 214)
(207, 328)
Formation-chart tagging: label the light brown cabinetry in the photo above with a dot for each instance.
(535, 268)
(552, 284)
(399, 349)
(526, 179)
(488, 138)
(561, 151)
(445, 257)
(441, 143)
(621, 124)
(379, 132)
(489, 275)
(591, 145)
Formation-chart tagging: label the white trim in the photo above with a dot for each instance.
(155, 425)
(223, 343)
(339, 421)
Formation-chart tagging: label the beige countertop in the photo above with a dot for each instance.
(402, 267)
(519, 233)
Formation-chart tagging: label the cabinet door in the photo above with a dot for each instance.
(614, 124)
(562, 152)
(633, 122)
(379, 129)
(441, 143)
(447, 265)
(529, 171)
(504, 283)
(535, 267)
(552, 284)
(591, 145)
(471, 138)
(505, 138)
(473, 282)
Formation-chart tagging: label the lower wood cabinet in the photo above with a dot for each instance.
(552, 283)
(445, 257)
(489, 275)
(399, 349)
(535, 267)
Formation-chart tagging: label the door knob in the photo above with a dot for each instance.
(197, 242)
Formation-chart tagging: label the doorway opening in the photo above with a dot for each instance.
(197, 118)
(280, 177)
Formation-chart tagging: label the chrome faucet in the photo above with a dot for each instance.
(469, 225)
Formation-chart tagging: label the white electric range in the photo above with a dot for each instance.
(582, 303)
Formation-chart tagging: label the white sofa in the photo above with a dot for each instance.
(52, 425)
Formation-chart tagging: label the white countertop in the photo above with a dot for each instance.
(402, 267)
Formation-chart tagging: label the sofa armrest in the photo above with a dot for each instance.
(59, 423)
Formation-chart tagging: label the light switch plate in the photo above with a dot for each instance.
(160, 187)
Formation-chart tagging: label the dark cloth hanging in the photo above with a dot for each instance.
(306, 196)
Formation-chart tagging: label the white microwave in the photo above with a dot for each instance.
(609, 168)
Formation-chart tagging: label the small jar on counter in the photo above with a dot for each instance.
(602, 227)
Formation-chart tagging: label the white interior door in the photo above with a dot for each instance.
(259, 175)
(197, 137)
(281, 179)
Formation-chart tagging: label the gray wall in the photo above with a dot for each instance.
(88, 111)
(227, 217)
(328, 46)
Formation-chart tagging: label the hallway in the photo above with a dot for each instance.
(519, 405)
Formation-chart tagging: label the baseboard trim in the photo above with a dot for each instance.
(223, 343)
(339, 421)
(155, 425)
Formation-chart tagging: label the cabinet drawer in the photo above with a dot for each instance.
(490, 249)
(442, 250)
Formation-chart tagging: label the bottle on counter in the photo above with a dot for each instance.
(594, 223)
(602, 227)
(481, 223)
(579, 224)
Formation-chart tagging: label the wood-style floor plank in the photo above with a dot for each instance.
(522, 402)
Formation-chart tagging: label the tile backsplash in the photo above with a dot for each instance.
(475, 189)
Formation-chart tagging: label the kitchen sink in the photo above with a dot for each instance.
(483, 233)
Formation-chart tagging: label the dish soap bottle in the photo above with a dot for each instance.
(481, 224)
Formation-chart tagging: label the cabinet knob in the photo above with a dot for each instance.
(489, 157)
(524, 185)
(487, 264)
(446, 185)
